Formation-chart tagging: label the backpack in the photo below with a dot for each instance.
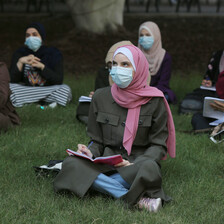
(193, 102)
(82, 112)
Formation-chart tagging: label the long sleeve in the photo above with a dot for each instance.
(94, 131)
(53, 76)
(165, 73)
(212, 71)
(106, 128)
(162, 79)
(4, 85)
(50, 57)
(15, 75)
(158, 133)
(3, 95)
(102, 78)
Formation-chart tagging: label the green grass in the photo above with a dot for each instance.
(194, 179)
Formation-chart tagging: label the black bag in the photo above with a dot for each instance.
(82, 112)
(199, 122)
(193, 102)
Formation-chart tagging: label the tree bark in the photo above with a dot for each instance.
(97, 16)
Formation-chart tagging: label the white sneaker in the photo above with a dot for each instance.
(53, 105)
(151, 204)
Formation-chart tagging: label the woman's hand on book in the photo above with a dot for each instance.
(206, 83)
(123, 163)
(84, 150)
(91, 94)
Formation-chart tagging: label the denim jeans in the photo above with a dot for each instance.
(113, 185)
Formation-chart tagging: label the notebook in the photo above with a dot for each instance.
(85, 99)
(110, 160)
(209, 111)
(212, 88)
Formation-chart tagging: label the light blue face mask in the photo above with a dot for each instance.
(33, 43)
(121, 76)
(146, 42)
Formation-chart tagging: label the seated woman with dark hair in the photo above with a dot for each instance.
(198, 120)
(8, 115)
(193, 102)
(37, 71)
(214, 68)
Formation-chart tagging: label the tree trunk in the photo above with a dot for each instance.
(97, 16)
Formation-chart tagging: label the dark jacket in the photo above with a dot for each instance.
(102, 79)
(8, 115)
(162, 78)
(106, 127)
(212, 71)
(50, 57)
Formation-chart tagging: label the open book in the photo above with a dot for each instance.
(208, 111)
(212, 88)
(216, 122)
(85, 99)
(110, 160)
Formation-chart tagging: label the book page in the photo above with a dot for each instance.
(73, 153)
(85, 99)
(110, 160)
(216, 122)
(208, 111)
(212, 88)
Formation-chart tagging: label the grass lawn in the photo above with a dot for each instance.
(194, 179)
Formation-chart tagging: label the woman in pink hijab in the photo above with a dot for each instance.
(149, 41)
(131, 119)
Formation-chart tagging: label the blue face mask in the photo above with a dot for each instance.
(121, 76)
(33, 43)
(146, 42)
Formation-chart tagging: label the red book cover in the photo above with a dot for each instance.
(110, 160)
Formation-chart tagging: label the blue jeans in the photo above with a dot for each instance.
(113, 185)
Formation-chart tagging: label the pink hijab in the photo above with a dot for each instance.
(136, 94)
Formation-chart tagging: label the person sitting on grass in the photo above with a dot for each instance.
(8, 115)
(131, 119)
(37, 71)
(103, 79)
(193, 102)
(149, 41)
(198, 121)
(214, 68)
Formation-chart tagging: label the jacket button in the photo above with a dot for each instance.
(140, 122)
(123, 123)
(106, 120)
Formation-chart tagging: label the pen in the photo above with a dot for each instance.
(90, 144)
(84, 153)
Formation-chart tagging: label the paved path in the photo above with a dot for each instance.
(164, 9)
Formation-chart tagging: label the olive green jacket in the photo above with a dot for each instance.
(106, 128)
